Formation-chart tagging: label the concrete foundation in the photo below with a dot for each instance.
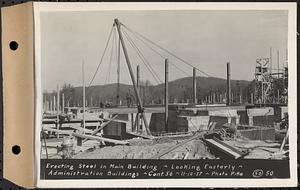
(258, 133)
(115, 130)
(261, 116)
(192, 123)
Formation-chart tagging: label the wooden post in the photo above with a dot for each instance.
(79, 141)
(166, 93)
(57, 110)
(51, 106)
(278, 63)
(228, 85)
(240, 99)
(54, 103)
(271, 60)
(63, 102)
(83, 98)
(194, 86)
(47, 104)
(132, 120)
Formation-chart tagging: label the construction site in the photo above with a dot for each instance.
(218, 125)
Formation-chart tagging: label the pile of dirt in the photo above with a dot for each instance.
(146, 149)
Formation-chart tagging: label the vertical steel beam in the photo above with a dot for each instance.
(228, 85)
(166, 93)
(194, 86)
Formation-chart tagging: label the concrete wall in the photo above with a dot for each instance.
(218, 121)
(260, 111)
(258, 134)
(261, 116)
(175, 123)
(192, 123)
(157, 123)
(115, 130)
(244, 119)
(267, 121)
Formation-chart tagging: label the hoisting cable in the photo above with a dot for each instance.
(147, 45)
(107, 80)
(101, 57)
(160, 47)
(143, 59)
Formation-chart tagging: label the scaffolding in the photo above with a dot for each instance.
(263, 80)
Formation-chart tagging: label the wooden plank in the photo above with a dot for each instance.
(225, 148)
(116, 120)
(64, 132)
(140, 135)
(284, 140)
(81, 129)
(104, 125)
(101, 127)
(91, 137)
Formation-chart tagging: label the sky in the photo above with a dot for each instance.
(206, 39)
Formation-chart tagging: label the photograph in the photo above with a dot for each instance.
(150, 93)
(174, 84)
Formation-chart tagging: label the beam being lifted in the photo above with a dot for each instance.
(140, 106)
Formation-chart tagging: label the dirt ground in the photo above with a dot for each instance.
(139, 148)
(146, 149)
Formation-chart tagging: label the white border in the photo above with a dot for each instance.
(292, 99)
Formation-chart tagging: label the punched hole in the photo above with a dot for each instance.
(13, 45)
(16, 149)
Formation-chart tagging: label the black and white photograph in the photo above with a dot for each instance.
(174, 93)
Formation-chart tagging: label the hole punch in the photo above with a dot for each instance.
(16, 149)
(13, 45)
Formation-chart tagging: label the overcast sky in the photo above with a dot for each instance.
(206, 39)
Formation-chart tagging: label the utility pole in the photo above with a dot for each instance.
(194, 86)
(140, 106)
(166, 93)
(228, 85)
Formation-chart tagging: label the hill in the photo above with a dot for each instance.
(180, 90)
